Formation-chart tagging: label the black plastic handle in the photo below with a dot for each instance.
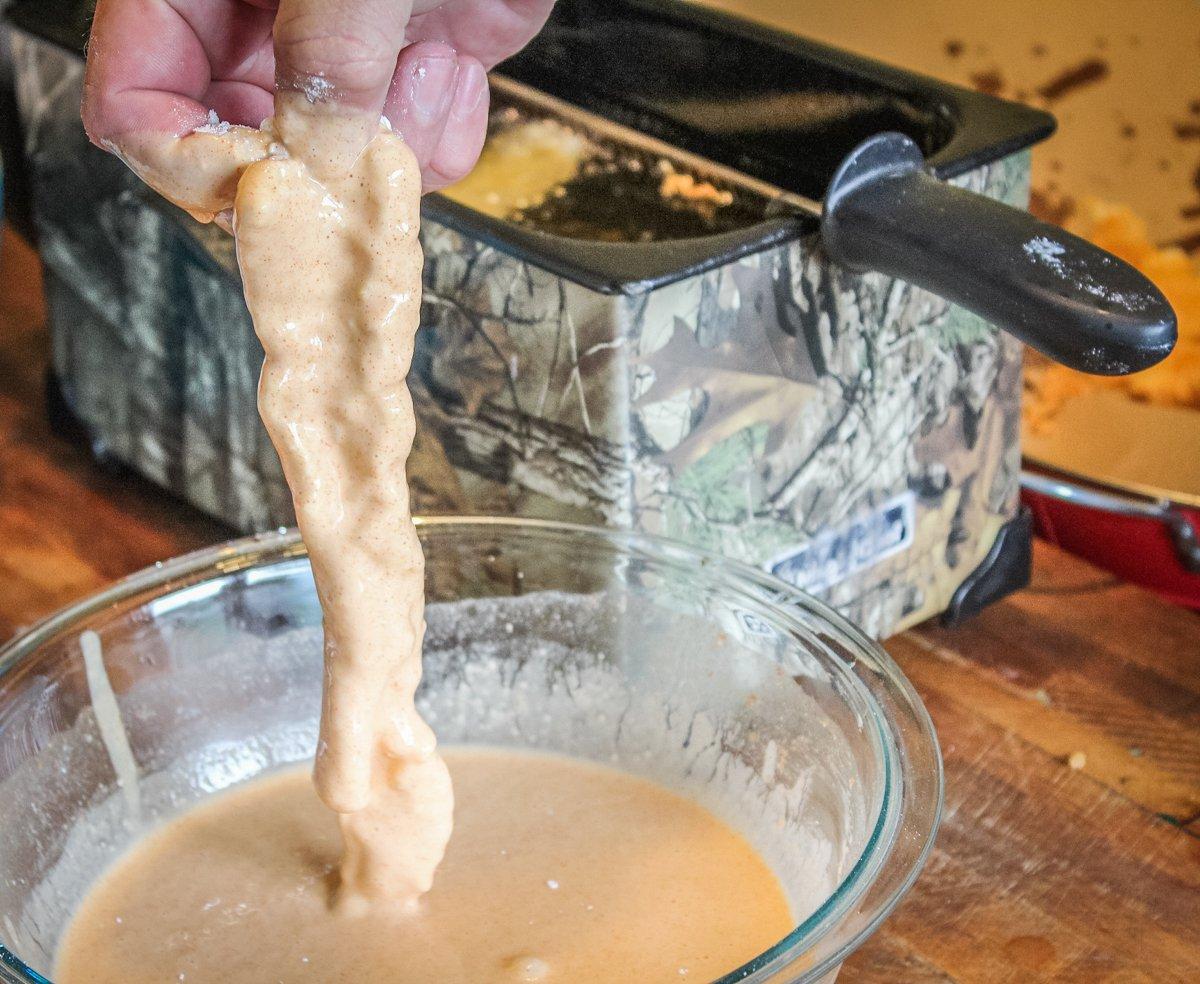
(1071, 300)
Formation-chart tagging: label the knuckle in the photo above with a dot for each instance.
(354, 55)
(338, 58)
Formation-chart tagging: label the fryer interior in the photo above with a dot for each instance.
(774, 106)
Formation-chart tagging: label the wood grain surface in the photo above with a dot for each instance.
(1069, 717)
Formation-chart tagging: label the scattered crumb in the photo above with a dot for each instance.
(989, 81)
(1128, 131)
(1077, 760)
(1072, 79)
(1188, 244)
(675, 185)
(1187, 131)
(1038, 51)
(954, 48)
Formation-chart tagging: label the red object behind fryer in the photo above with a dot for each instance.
(1139, 550)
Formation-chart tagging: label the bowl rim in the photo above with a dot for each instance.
(285, 543)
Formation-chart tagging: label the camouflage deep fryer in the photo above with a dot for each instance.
(855, 434)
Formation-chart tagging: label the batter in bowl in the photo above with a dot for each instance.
(558, 871)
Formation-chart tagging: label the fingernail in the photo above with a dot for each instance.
(469, 91)
(433, 86)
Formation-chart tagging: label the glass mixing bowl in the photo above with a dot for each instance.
(702, 674)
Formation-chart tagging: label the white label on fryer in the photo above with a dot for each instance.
(836, 554)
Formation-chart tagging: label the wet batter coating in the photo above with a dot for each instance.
(331, 266)
(326, 218)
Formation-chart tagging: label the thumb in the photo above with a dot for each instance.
(335, 58)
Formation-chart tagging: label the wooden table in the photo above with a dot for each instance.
(1069, 717)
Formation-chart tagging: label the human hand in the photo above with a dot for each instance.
(159, 66)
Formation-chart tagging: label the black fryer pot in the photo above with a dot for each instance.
(687, 76)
